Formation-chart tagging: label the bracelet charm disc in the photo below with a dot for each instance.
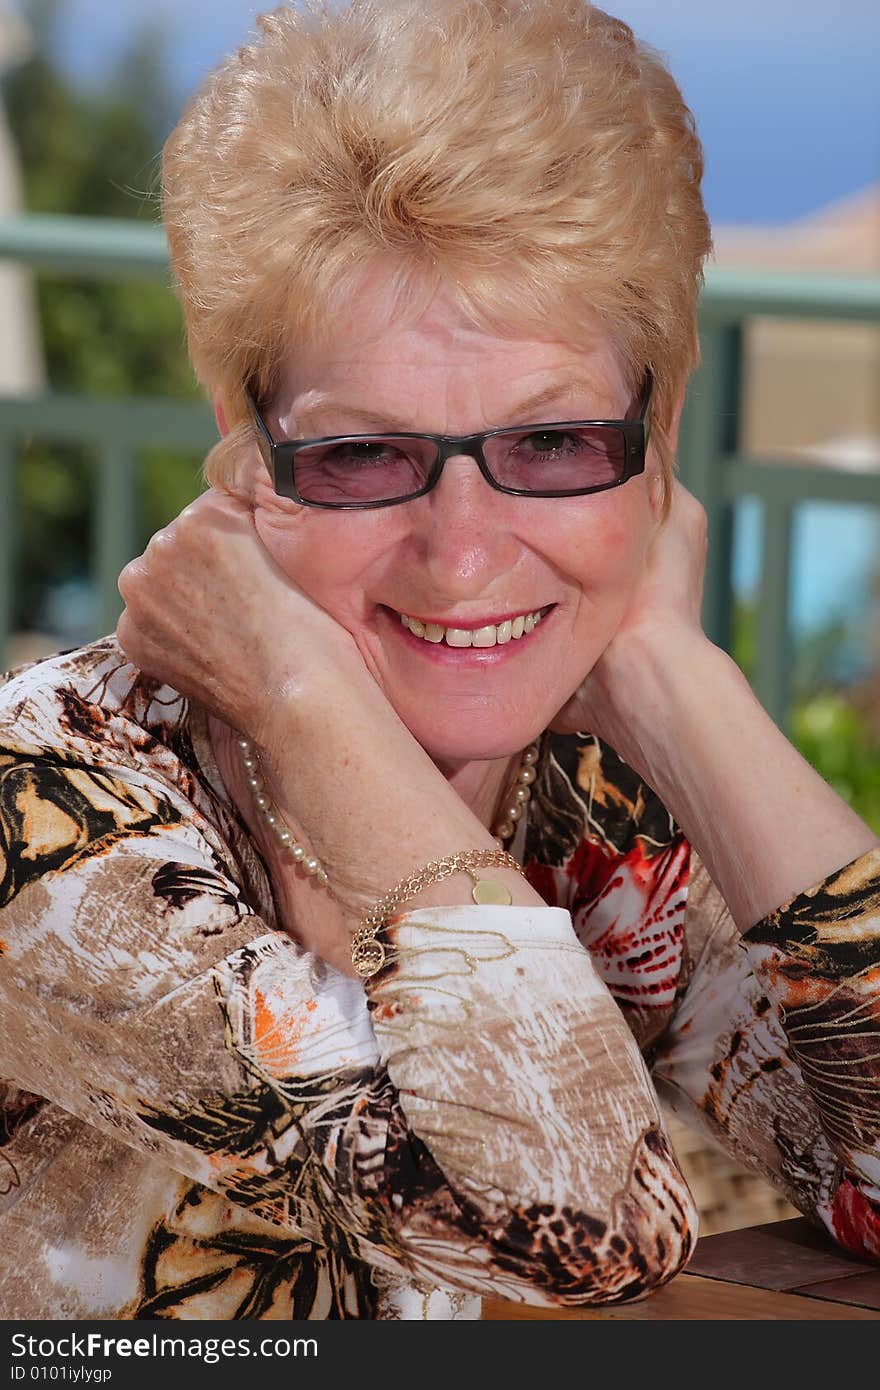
(487, 893)
(368, 956)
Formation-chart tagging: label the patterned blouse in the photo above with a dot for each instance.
(200, 1119)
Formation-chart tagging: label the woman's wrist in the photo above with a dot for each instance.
(646, 689)
(688, 721)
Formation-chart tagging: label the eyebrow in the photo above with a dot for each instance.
(319, 402)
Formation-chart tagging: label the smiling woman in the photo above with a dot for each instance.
(352, 884)
(461, 556)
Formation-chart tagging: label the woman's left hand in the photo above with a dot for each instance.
(665, 609)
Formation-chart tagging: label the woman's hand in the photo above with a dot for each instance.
(209, 613)
(665, 612)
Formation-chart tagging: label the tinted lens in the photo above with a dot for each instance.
(557, 459)
(367, 469)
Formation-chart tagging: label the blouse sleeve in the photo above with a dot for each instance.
(479, 1117)
(775, 1047)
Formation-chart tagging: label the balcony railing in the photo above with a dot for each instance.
(712, 462)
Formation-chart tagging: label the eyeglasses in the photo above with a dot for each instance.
(568, 458)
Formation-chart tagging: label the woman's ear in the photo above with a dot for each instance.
(220, 415)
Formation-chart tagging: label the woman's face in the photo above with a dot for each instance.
(464, 556)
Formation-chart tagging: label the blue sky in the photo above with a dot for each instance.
(786, 92)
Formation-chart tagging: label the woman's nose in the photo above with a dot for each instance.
(462, 531)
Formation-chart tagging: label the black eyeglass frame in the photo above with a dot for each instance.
(280, 455)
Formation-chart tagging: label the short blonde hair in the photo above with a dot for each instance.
(530, 154)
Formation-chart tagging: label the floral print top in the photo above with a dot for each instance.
(200, 1119)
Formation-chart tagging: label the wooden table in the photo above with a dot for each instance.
(784, 1271)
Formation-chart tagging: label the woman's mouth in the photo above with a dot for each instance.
(509, 629)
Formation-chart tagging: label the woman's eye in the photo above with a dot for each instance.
(358, 453)
(549, 442)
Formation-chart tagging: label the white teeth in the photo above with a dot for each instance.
(510, 630)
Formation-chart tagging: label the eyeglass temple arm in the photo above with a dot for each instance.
(264, 439)
(645, 403)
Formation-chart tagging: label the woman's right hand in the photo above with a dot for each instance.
(206, 607)
(209, 613)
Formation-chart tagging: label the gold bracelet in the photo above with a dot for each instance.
(368, 954)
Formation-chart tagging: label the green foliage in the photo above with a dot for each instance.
(835, 738)
(113, 339)
(97, 154)
(89, 152)
(93, 154)
(825, 727)
(168, 483)
(745, 637)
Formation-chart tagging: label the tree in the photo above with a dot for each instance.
(94, 154)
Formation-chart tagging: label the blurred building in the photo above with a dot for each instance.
(813, 390)
(812, 394)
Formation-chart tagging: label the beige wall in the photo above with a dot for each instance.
(811, 382)
(807, 383)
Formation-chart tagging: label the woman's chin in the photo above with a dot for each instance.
(471, 740)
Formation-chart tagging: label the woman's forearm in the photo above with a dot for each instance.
(352, 782)
(765, 824)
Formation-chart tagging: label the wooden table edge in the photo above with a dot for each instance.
(695, 1297)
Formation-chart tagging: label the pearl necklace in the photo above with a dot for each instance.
(250, 762)
(519, 796)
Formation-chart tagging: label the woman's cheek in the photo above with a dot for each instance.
(605, 556)
(283, 529)
(291, 541)
(607, 566)
(317, 561)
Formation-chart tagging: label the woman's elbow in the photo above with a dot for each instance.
(559, 1251)
(574, 1258)
(567, 1255)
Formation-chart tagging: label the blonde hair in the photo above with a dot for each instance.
(529, 154)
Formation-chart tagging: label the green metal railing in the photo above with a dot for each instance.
(711, 461)
(716, 470)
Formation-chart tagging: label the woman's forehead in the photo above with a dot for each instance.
(444, 393)
(376, 335)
